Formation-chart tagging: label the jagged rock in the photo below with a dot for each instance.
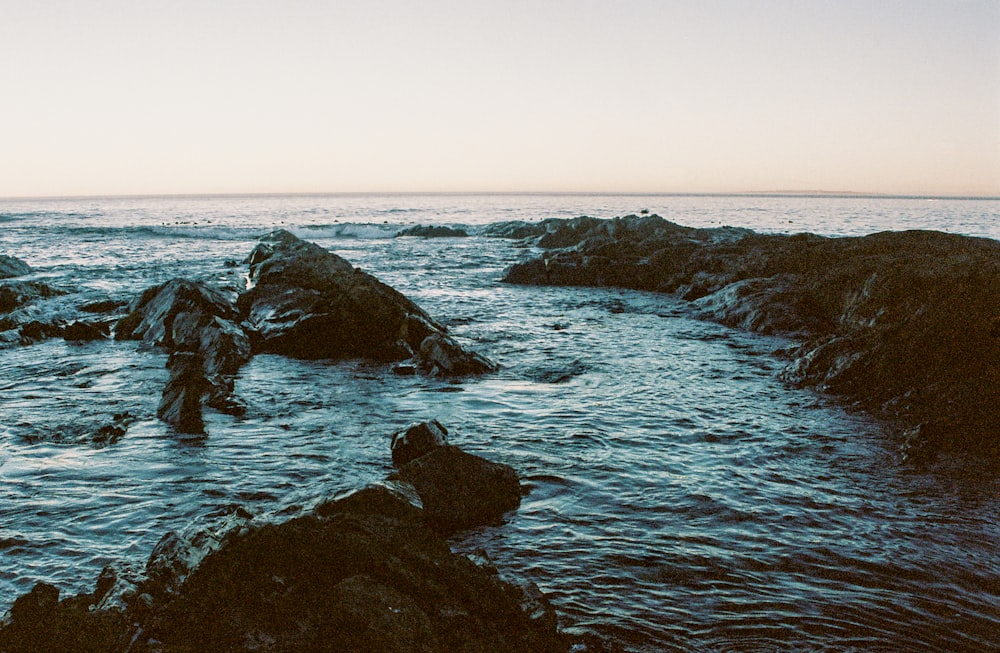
(416, 440)
(180, 404)
(42, 623)
(12, 267)
(192, 317)
(306, 302)
(14, 294)
(36, 331)
(103, 306)
(460, 490)
(84, 331)
(897, 322)
(441, 355)
(432, 231)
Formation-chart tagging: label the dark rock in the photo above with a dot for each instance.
(192, 317)
(41, 623)
(366, 576)
(84, 331)
(900, 323)
(180, 405)
(36, 331)
(306, 302)
(417, 440)
(103, 306)
(460, 490)
(12, 267)
(14, 294)
(433, 231)
(441, 355)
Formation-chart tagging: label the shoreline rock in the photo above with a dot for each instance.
(901, 324)
(302, 301)
(365, 570)
(11, 266)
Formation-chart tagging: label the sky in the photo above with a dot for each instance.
(213, 96)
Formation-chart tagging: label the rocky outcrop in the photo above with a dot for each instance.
(459, 490)
(198, 324)
(902, 324)
(417, 440)
(432, 231)
(302, 301)
(14, 294)
(361, 572)
(12, 267)
(306, 302)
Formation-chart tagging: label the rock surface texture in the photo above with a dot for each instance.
(302, 301)
(364, 571)
(306, 302)
(12, 267)
(905, 325)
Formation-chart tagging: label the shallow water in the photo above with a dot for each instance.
(680, 497)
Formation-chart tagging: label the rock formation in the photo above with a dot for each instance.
(302, 301)
(306, 302)
(432, 231)
(361, 572)
(12, 267)
(902, 324)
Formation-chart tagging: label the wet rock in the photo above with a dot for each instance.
(12, 267)
(306, 302)
(14, 294)
(81, 331)
(417, 440)
(36, 331)
(115, 430)
(40, 622)
(440, 355)
(460, 490)
(193, 318)
(103, 306)
(180, 404)
(899, 323)
(432, 231)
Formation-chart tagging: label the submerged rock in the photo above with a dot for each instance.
(460, 490)
(306, 302)
(900, 323)
(12, 267)
(432, 231)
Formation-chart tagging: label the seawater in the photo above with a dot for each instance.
(680, 496)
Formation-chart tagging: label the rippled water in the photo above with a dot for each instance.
(681, 498)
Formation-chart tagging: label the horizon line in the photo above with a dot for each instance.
(744, 193)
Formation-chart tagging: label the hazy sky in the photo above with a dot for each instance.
(177, 96)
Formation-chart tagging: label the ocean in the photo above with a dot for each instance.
(680, 497)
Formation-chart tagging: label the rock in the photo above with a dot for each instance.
(899, 323)
(432, 231)
(417, 440)
(367, 574)
(84, 331)
(441, 355)
(36, 331)
(460, 490)
(41, 623)
(194, 318)
(12, 267)
(103, 306)
(14, 294)
(180, 404)
(306, 302)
